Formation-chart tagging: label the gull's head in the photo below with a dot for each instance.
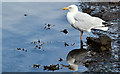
(71, 8)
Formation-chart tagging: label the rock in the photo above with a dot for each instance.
(66, 44)
(47, 26)
(25, 14)
(36, 66)
(64, 31)
(102, 43)
(72, 44)
(52, 67)
(38, 41)
(60, 59)
(18, 48)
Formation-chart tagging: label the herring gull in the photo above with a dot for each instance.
(83, 21)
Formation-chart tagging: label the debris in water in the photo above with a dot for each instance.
(41, 44)
(25, 14)
(39, 47)
(38, 41)
(66, 44)
(52, 67)
(34, 42)
(36, 46)
(25, 50)
(64, 31)
(22, 49)
(18, 48)
(47, 26)
(36, 66)
(72, 44)
(60, 59)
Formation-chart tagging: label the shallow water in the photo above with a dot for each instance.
(24, 23)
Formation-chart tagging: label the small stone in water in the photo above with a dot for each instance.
(60, 59)
(38, 41)
(18, 48)
(64, 31)
(35, 42)
(52, 67)
(73, 44)
(48, 25)
(25, 14)
(39, 47)
(23, 49)
(36, 46)
(36, 66)
(66, 44)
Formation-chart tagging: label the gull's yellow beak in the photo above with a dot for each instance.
(65, 8)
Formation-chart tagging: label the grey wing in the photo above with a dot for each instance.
(85, 22)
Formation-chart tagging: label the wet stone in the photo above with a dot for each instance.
(18, 48)
(36, 46)
(25, 50)
(60, 59)
(102, 10)
(34, 42)
(72, 44)
(25, 14)
(102, 43)
(64, 31)
(66, 44)
(39, 47)
(22, 49)
(52, 67)
(47, 26)
(36, 66)
(38, 41)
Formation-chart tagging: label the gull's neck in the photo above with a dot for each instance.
(73, 11)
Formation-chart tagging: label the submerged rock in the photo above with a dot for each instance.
(102, 43)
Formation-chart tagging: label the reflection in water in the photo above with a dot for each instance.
(87, 58)
(76, 57)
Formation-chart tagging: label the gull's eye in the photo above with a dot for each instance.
(70, 7)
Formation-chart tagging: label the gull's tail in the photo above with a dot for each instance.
(102, 28)
(107, 24)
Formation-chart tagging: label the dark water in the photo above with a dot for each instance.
(24, 23)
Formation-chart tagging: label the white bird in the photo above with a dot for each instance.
(83, 21)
